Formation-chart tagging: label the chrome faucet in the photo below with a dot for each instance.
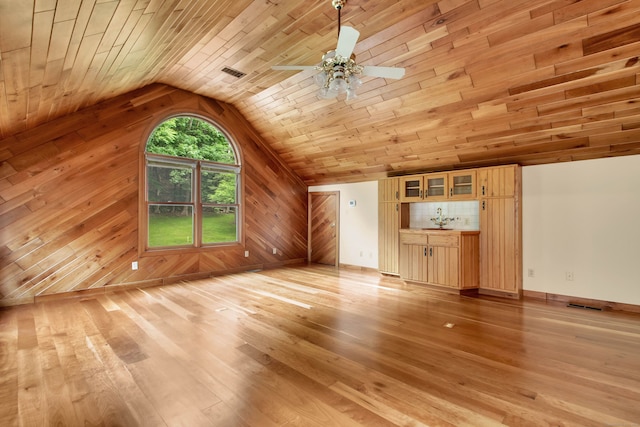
(441, 221)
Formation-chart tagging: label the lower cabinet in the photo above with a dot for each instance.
(443, 265)
(444, 258)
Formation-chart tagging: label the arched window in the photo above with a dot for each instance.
(192, 180)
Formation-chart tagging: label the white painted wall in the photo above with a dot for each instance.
(583, 217)
(358, 224)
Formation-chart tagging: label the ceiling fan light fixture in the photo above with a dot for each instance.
(338, 75)
(326, 93)
(351, 94)
(338, 71)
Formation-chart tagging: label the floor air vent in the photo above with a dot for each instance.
(586, 307)
(234, 73)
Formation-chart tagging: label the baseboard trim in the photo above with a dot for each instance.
(358, 268)
(589, 302)
(497, 293)
(117, 287)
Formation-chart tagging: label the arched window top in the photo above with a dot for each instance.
(192, 137)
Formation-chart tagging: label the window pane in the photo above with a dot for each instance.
(193, 138)
(169, 183)
(219, 224)
(170, 225)
(218, 187)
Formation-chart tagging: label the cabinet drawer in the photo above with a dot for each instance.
(444, 240)
(414, 238)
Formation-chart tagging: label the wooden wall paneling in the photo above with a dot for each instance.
(70, 220)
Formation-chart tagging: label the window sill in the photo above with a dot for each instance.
(187, 250)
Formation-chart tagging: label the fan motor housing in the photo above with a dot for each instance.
(338, 4)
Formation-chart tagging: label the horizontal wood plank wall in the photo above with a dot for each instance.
(69, 200)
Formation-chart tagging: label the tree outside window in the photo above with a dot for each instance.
(192, 185)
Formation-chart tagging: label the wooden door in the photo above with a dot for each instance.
(324, 227)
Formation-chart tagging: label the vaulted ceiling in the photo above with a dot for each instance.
(487, 81)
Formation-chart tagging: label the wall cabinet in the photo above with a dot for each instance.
(499, 249)
(443, 258)
(411, 188)
(438, 186)
(388, 226)
(500, 230)
(462, 185)
(497, 181)
(390, 216)
(389, 190)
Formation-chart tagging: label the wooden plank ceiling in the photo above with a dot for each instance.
(487, 81)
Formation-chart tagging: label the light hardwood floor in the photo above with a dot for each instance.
(313, 346)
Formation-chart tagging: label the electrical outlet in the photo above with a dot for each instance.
(568, 276)
(134, 265)
(530, 272)
(246, 254)
(275, 251)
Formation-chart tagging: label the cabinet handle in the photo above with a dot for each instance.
(483, 190)
(420, 194)
(483, 205)
(425, 251)
(398, 195)
(430, 251)
(396, 207)
(451, 192)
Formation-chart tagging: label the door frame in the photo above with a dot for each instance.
(337, 214)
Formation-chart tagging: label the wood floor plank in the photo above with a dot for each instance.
(315, 346)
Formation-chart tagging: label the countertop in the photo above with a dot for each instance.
(438, 230)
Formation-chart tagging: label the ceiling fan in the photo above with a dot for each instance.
(338, 69)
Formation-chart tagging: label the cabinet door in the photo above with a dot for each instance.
(413, 259)
(435, 186)
(498, 246)
(462, 185)
(411, 188)
(388, 229)
(443, 266)
(389, 190)
(497, 182)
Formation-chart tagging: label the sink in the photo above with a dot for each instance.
(437, 228)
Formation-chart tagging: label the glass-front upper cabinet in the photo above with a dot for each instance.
(411, 188)
(436, 186)
(462, 185)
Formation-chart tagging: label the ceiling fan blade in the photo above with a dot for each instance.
(347, 41)
(384, 72)
(293, 67)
